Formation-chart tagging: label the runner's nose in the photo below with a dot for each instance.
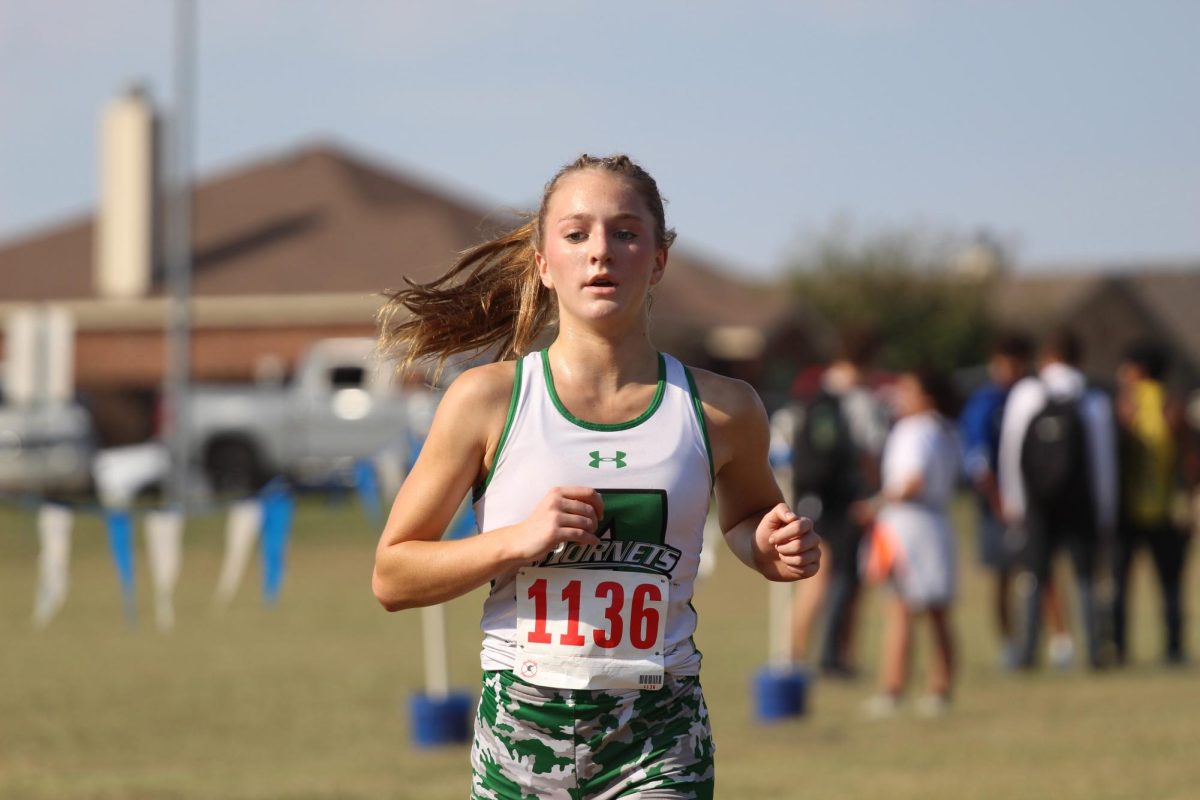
(599, 253)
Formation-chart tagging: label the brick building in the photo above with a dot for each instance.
(292, 249)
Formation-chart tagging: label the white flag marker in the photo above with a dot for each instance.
(241, 533)
(433, 639)
(54, 536)
(164, 549)
(779, 624)
(389, 465)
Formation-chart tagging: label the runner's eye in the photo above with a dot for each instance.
(626, 235)
(575, 236)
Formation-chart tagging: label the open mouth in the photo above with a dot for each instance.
(601, 282)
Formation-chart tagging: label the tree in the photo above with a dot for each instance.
(905, 285)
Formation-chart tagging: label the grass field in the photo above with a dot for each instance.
(307, 700)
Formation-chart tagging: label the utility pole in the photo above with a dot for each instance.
(177, 374)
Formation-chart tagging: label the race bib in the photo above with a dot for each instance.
(591, 628)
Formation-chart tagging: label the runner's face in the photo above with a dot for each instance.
(599, 252)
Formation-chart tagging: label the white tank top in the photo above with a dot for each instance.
(654, 472)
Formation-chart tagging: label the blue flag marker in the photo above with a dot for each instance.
(463, 524)
(278, 507)
(366, 485)
(120, 542)
(415, 443)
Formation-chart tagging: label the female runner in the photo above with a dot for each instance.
(592, 463)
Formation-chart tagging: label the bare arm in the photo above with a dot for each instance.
(413, 566)
(759, 527)
(910, 488)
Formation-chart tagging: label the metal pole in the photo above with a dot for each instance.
(179, 254)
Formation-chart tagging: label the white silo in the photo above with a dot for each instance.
(125, 242)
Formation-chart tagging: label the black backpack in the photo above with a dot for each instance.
(1054, 456)
(824, 458)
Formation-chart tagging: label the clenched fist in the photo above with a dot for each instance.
(565, 514)
(786, 546)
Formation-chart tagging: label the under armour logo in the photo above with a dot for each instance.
(618, 459)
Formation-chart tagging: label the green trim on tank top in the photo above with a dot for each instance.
(655, 401)
(698, 407)
(508, 423)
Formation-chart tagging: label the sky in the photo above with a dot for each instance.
(1070, 130)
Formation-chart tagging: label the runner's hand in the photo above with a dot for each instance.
(565, 514)
(790, 543)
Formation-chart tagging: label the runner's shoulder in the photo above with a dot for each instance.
(480, 392)
(728, 402)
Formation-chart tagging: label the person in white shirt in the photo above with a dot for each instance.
(1080, 514)
(912, 543)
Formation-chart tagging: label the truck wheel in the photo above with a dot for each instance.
(233, 467)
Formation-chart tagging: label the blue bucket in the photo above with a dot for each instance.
(780, 693)
(439, 721)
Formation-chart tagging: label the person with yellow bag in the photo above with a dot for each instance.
(1157, 470)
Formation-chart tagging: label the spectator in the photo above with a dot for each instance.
(912, 543)
(838, 436)
(1152, 441)
(979, 431)
(1057, 470)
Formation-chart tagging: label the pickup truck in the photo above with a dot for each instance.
(45, 448)
(341, 405)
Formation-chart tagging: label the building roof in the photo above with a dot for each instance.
(1174, 297)
(1166, 297)
(1037, 303)
(324, 221)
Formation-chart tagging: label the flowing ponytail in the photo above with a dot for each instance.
(492, 296)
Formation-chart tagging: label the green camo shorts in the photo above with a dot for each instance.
(536, 743)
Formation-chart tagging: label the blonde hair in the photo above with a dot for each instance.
(492, 297)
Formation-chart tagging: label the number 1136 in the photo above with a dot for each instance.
(643, 617)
